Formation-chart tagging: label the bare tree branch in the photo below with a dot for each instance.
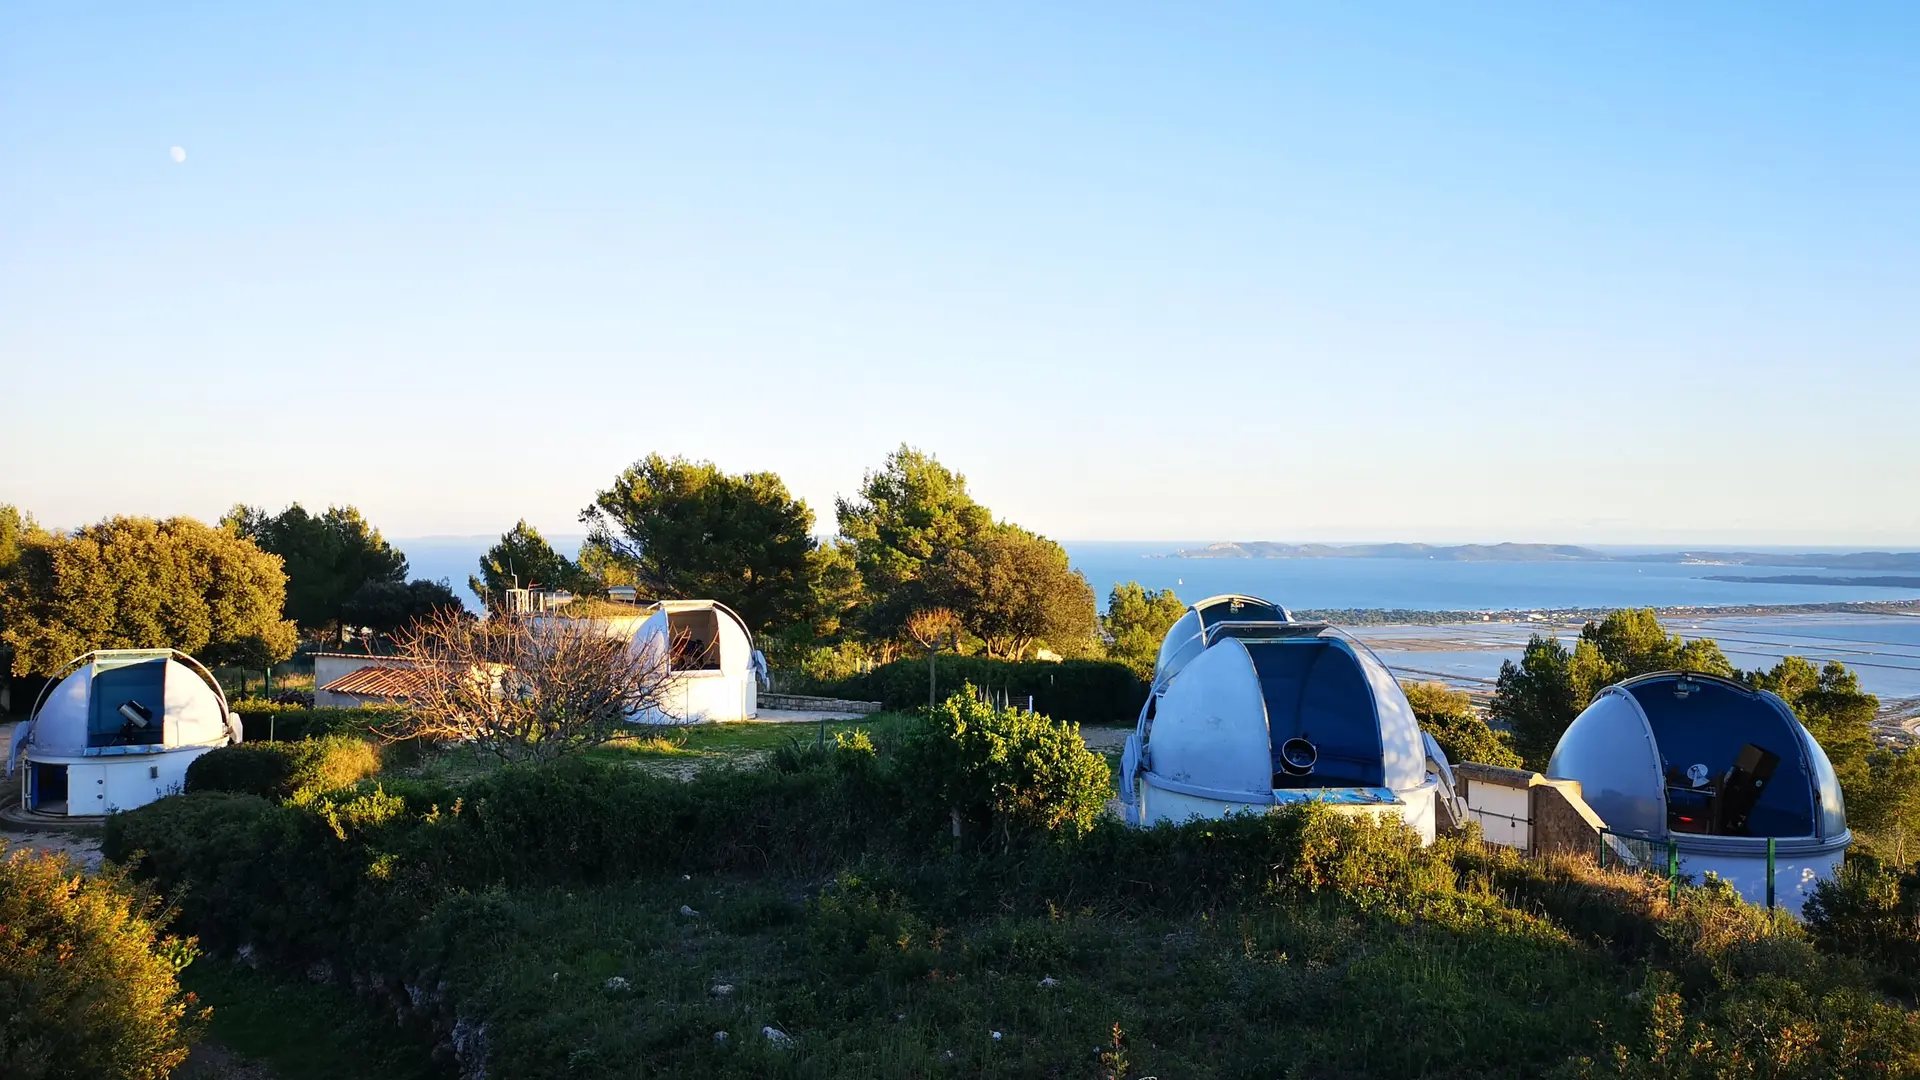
(527, 688)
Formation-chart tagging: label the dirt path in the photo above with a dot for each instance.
(82, 847)
(81, 843)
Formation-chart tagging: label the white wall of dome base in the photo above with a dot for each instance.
(1157, 802)
(97, 786)
(704, 697)
(1742, 862)
(715, 672)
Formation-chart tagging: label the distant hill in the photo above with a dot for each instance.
(1268, 549)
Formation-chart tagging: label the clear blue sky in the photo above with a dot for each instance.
(1335, 271)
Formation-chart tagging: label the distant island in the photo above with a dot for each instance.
(1854, 560)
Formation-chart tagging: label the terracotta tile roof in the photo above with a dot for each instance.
(377, 681)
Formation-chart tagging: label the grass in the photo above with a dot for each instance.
(742, 743)
(742, 738)
(303, 1030)
(867, 986)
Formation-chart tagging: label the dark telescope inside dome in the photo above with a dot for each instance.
(1720, 756)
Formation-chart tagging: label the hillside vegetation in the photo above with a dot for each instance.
(588, 919)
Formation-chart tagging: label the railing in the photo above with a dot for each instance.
(1662, 858)
(1643, 854)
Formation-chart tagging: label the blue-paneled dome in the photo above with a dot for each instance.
(1252, 708)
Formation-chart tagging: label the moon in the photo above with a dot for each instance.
(179, 154)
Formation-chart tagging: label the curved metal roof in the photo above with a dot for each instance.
(1686, 754)
(1239, 681)
(127, 701)
(1230, 614)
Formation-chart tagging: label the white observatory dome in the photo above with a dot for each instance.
(117, 728)
(1723, 773)
(715, 670)
(1252, 709)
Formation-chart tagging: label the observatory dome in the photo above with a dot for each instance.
(1251, 708)
(1721, 772)
(116, 728)
(715, 670)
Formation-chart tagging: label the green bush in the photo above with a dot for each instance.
(263, 721)
(284, 770)
(88, 976)
(1306, 940)
(1075, 691)
(818, 664)
(1772, 1027)
(203, 850)
(1002, 772)
(1872, 911)
(1447, 714)
(333, 878)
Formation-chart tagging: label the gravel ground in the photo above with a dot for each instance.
(1105, 738)
(82, 847)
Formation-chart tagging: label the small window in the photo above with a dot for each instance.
(126, 705)
(695, 640)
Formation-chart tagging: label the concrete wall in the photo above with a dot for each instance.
(1562, 820)
(1498, 799)
(809, 703)
(1793, 877)
(709, 697)
(1522, 809)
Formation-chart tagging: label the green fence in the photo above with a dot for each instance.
(1661, 858)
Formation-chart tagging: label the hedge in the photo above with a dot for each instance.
(282, 770)
(264, 720)
(1076, 691)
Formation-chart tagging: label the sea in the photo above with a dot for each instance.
(1440, 585)
(1883, 649)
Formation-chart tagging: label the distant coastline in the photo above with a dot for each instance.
(1879, 582)
(1416, 617)
(1535, 553)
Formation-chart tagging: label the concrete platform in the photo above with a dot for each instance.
(805, 716)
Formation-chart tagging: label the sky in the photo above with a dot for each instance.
(1622, 273)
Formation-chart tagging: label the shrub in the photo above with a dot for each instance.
(1376, 956)
(1076, 691)
(819, 664)
(1872, 911)
(1004, 771)
(284, 770)
(1769, 1027)
(1447, 714)
(88, 983)
(206, 851)
(263, 720)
